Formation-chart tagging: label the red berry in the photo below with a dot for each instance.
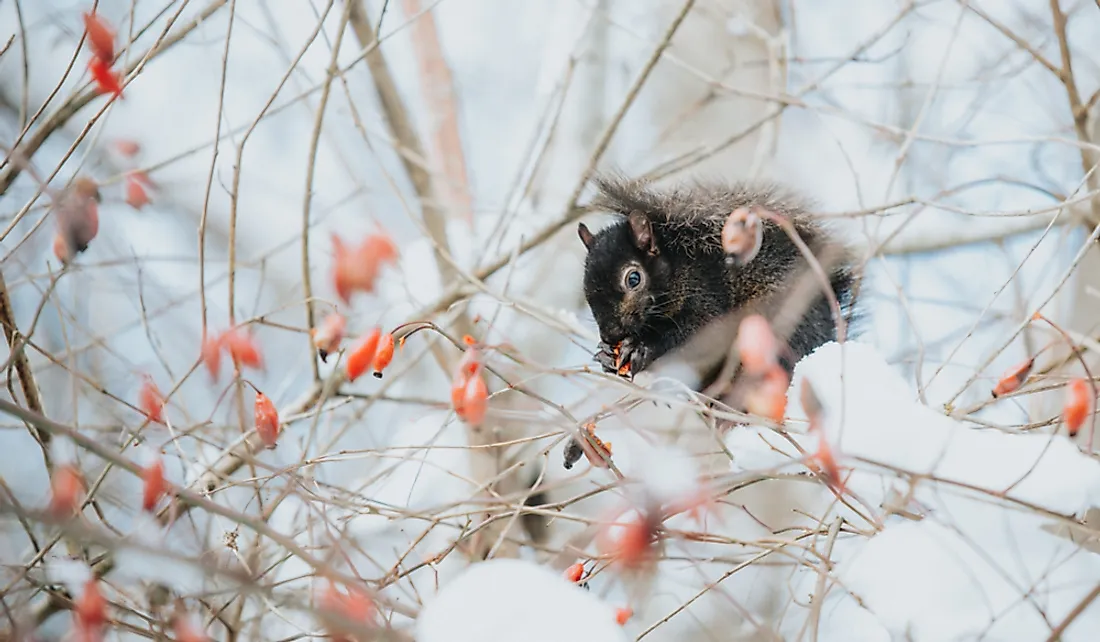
(267, 420)
(362, 354)
(384, 355)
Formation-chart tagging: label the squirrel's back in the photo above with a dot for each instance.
(693, 213)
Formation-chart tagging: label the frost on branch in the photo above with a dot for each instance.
(505, 600)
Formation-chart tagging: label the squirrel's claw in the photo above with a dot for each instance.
(630, 359)
(605, 358)
(639, 359)
(626, 353)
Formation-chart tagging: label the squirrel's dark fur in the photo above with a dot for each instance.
(673, 238)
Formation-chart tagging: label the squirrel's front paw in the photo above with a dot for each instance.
(605, 356)
(633, 357)
(640, 358)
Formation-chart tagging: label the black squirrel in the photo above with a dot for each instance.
(659, 276)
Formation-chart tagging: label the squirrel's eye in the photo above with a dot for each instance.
(633, 279)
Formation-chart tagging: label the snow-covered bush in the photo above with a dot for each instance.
(179, 461)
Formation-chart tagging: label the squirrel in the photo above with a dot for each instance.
(658, 277)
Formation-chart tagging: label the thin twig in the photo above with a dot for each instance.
(1056, 633)
(311, 166)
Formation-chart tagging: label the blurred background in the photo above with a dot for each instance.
(950, 141)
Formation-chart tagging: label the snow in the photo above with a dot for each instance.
(985, 560)
(418, 478)
(871, 414)
(999, 576)
(71, 573)
(506, 600)
(975, 564)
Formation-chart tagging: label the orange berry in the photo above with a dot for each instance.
(76, 210)
(151, 400)
(475, 400)
(470, 362)
(362, 354)
(212, 354)
(355, 608)
(380, 247)
(341, 271)
(825, 464)
(67, 491)
(757, 345)
(127, 148)
(101, 37)
(384, 355)
(458, 395)
(1013, 378)
(153, 486)
(327, 337)
(1078, 406)
(630, 543)
(742, 235)
(575, 572)
(61, 249)
(267, 420)
(768, 397)
(107, 81)
(242, 349)
(187, 632)
(599, 454)
(136, 196)
(355, 269)
(622, 614)
(90, 612)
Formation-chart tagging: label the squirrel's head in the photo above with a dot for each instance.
(624, 274)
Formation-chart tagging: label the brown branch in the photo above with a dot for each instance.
(1077, 108)
(572, 210)
(397, 117)
(210, 184)
(27, 382)
(1014, 37)
(311, 167)
(784, 101)
(187, 498)
(447, 153)
(233, 459)
(1056, 633)
(437, 86)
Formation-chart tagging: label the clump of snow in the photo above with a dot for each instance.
(870, 413)
(1000, 576)
(504, 600)
(975, 564)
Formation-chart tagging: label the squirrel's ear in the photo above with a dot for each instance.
(642, 231)
(586, 236)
